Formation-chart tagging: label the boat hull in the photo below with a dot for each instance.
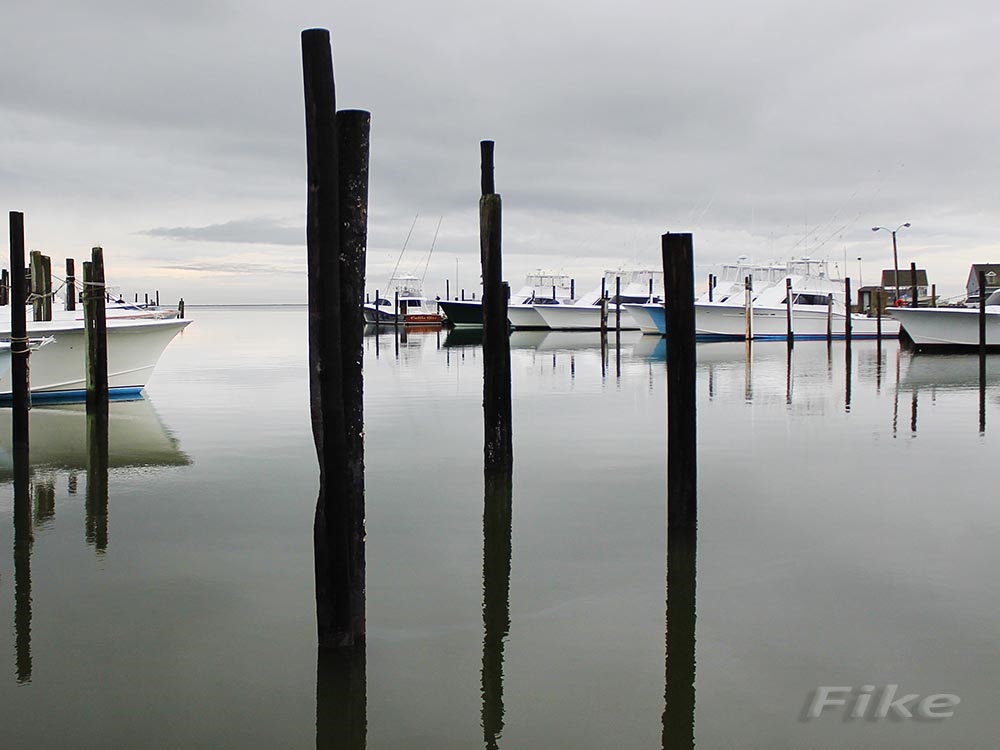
(650, 318)
(524, 317)
(581, 317)
(728, 322)
(949, 327)
(57, 371)
(462, 313)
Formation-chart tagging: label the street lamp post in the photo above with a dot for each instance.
(895, 259)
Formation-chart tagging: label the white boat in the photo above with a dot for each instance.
(57, 370)
(955, 327)
(650, 317)
(540, 288)
(638, 286)
(812, 286)
(414, 307)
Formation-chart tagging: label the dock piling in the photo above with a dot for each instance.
(847, 315)
(336, 232)
(19, 349)
(678, 275)
(789, 335)
(497, 449)
(914, 301)
(70, 284)
(95, 332)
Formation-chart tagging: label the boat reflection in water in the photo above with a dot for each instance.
(59, 438)
(65, 439)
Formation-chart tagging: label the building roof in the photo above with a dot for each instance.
(905, 278)
(988, 268)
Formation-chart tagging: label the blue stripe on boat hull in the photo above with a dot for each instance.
(127, 393)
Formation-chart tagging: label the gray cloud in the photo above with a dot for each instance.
(256, 231)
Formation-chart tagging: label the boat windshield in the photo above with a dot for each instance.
(994, 299)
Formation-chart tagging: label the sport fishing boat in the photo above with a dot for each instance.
(818, 301)
(950, 327)
(637, 286)
(414, 308)
(540, 288)
(57, 369)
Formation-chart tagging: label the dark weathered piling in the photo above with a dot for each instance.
(396, 311)
(447, 289)
(682, 504)
(711, 287)
(878, 316)
(982, 325)
(829, 318)
(847, 315)
(618, 306)
(748, 307)
(4, 287)
(678, 276)
(41, 286)
(95, 331)
(180, 309)
(70, 284)
(933, 295)
(19, 350)
(336, 231)
(572, 289)
(789, 334)
(498, 449)
(914, 300)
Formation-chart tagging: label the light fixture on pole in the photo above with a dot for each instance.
(895, 259)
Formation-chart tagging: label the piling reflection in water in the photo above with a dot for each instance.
(96, 503)
(496, 600)
(23, 542)
(678, 712)
(341, 699)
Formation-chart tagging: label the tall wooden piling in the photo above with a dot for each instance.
(789, 335)
(41, 286)
(847, 316)
(678, 275)
(748, 307)
(336, 231)
(618, 306)
(395, 314)
(829, 318)
(95, 332)
(933, 295)
(4, 287)
(982, 321)
(70, 284)
(19, 350)
(914, 301)
(711, 287)
(878, 316)
(498, 451)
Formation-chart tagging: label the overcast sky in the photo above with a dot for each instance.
(172, 134)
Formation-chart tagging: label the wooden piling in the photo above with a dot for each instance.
(19, 349)
(982, 322)
(336, 228)
(829, 318)
(180, 309)
(498, 445)
(618, 306)
(447, 289)
(4, 287)
(878, 316)
(847, 316)
(789, 335)
(37, 285)
(157, 297)
(395, 315)
(914, 301)
(70, 284)
(95, 331)
(46, 287)
(711, 287)
(933, 295)
(678, 275)
(748, 307)
(604, 309)
(572, 289)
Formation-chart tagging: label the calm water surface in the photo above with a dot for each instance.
(848, 537)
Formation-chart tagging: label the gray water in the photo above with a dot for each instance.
(847, 537)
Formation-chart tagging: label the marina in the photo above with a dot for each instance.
(221, 578)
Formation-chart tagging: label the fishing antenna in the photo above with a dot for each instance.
(403, 250)
(429, 252)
